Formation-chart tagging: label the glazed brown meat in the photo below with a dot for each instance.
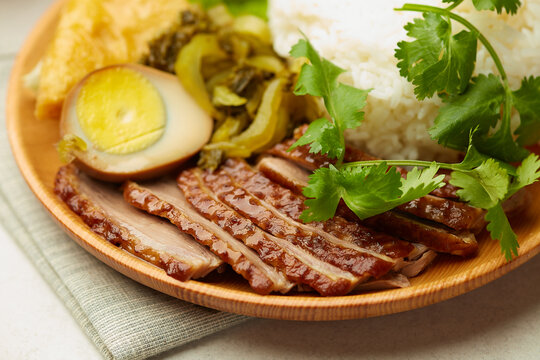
(456, 215)
(434, 236)
(103, 209)
(340, 253)
(292, 205)
(164, 199)
(298, 265)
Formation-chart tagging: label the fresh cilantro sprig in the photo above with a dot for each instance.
(320, 78)
(372, 187)
(441, 62)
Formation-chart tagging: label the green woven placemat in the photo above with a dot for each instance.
(124, 319)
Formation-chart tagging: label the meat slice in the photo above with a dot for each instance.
(456, 215)
(299, 265)
(163, 198)
(284, 172)
(434, 236)
(292, 205)
(104, 210)
(299, 155)
(345, 255)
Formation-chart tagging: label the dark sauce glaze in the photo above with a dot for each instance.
(201, 199)
(292, 205)
(456, 215)
(349, 259)
(67, 188)
(144, 199)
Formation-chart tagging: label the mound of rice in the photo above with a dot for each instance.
(361, 36)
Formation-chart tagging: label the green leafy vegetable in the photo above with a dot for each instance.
(367, 191)
(526, 174)
(484, 186)
(527, 102)
(320, 78)
(238, 7)
(476, 114)
(324, 138)
(475, 118)
(500, 229)
(511, 6)
(486, 101)
(436, 61)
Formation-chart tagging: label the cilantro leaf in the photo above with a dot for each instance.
(324, 138)
(527, 173)
(483, 187)
(343, 102)
(527, 103)
(477, 109)
(500, 229)
(239, 7)
(420, 182)
(367, 191)
(436, 61)
(511, 6)
(323, 193)
(319, 77)
(348, 112)
(501, 145)
(474, 158)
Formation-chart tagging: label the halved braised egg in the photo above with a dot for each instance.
(131, 122)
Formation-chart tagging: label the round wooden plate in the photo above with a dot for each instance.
(33, 142)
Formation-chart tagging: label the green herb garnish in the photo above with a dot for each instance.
(443, 63)
(474, 119)
(238, 7)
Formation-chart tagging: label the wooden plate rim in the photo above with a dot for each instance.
(295, 307)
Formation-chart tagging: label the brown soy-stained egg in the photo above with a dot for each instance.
(132, 122)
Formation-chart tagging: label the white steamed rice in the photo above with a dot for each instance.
(361, 36)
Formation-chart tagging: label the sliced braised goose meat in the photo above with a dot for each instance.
(345, 255)
(415, 267)
(448, 191)
(164, 199)
(454, 214)
(292, 205)
(299, 265)
(436, 237)
(299, 155)
(284, 172)
(104, 210)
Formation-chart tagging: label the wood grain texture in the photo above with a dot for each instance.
(32, 142)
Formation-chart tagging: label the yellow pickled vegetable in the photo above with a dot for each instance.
(188, 67)
(267, 63)
(253, 26)
(230, 127)
(262, 129)
(223, 96)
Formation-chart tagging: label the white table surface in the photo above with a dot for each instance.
(498, 321)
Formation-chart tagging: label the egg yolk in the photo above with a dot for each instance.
(120, 111)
